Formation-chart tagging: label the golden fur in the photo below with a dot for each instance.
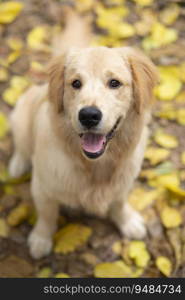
(46, 134)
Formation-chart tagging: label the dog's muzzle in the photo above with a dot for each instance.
(94, 144)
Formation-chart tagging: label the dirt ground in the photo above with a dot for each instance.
(105, 244)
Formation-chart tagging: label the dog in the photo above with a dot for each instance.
(84, 133)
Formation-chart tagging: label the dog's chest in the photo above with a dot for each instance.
(89, 188)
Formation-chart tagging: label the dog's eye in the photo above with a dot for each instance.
(113, 83)
(76, 84)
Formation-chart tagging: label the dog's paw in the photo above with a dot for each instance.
(17, 166)
(134, 227)
(39, 246)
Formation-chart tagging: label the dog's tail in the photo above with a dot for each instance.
(77, 32)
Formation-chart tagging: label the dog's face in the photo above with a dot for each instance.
(95, 88)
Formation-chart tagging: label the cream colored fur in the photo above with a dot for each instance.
(46, 135)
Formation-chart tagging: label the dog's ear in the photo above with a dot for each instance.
(145, 77)
(55, 72)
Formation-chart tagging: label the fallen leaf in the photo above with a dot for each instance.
(164, 265)
(170, 83)
(17, 86)
(165, 140)
(170, 217)
(4, 125)
(18, 214)
(144, 2)
(45, 272)
(15, 267)
(117, 269)
(4, 229)
(167, 180)
(180, 97)
(61, 275)
(167, 112)
(170, 14)
(154, 40)
(117, 247)
(181, 116)
(84, 5)
(3, 75)
(111, 17)
(141, 198)
(174, 237)
(71, 237)
(138, 252)
(9, 11)
(156, 155)
(122, 30)
(15, 44)
(12, 57)
(37, 37)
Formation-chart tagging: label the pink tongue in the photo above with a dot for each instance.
(93, 142)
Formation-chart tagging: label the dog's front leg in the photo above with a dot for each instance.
(128, 220)
(41, 237)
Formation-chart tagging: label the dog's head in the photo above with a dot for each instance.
(94, 89)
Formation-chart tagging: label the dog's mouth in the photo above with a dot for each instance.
(94, 144)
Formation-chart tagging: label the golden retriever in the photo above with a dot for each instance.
(84, 134)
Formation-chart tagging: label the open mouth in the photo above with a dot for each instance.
(94, 144)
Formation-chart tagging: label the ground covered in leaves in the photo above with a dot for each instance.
(86, 246)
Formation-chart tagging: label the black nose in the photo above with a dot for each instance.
(90, 116)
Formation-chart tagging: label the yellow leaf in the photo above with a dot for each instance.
(8, 189)
(18, 215)
(168, 90)
(71, 237)
(62, 275)
(144, 2)
(167, 112)
(15, 44)
(117, 247)
(181, 97)
(10, 96)
(182, 72)
(44, 273)
(36, 66)
(156, 155)
(9, 11)
(154, 40)
(37, 37)
(181, 116)
(170, 82)
(108, 41)
(164, 265)
(112, 270)
(3, 75)
(122, 30)
(170, 14)
(166, 180)
(170, 217)
(140, 198)
(4, 125)
(17, 85)
(4, 229)
(176, 190)
(138, 252)
(12, 57)
(165, 140)
(108, 18)
(84, 5)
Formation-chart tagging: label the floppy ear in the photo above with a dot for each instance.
(56, 82)
(145, 77)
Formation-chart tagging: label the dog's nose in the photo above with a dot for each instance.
(90, 116)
